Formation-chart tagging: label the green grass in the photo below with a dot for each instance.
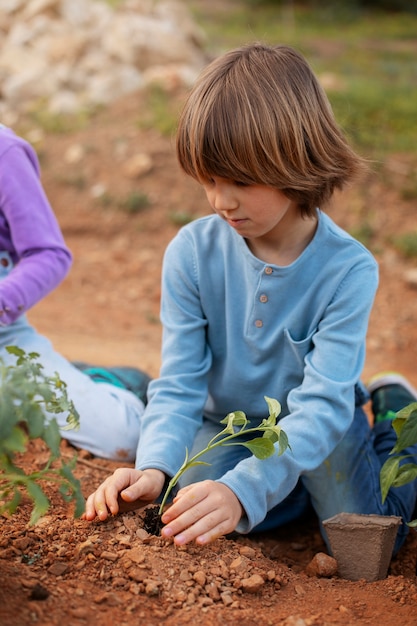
(363, 232)
(180, 218)
(135, 202)
(161, 111)
(58, 123)
(371, 54)
(406, 244)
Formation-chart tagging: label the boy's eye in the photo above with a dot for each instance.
(210, 182)
(240, 183)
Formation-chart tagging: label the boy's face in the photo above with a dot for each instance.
(254, 211)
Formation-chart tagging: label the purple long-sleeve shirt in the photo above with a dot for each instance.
(29, 231)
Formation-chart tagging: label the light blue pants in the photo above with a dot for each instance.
(109, 416)
(348, 481)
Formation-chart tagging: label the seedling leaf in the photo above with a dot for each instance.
(405, 425)
(15, 442)
(387, 475)
(52, 436)
(283, 443)
(261, 447)
(28, 397)
(12, 504)
(393, 474)
(195, 463)
(35, 424)
(40, 501)
(274, 406)
(405, 474)
(236, 418)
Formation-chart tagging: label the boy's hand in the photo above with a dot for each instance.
(125, 490)
(202, 512)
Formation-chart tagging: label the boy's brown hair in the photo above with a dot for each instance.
(258, 115)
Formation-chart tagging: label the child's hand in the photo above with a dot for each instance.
(124, 490)
(202, 512)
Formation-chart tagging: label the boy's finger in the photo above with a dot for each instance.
(95, 506)
(125, 506)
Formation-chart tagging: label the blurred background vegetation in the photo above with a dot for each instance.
(364, 51)
(365, 55)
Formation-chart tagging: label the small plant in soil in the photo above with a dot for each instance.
(152, 522)
(236, 425)
(392, 473)
(26, 395)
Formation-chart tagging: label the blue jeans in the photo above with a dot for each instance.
(347, 481)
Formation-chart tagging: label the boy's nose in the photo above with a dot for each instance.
(224, 199)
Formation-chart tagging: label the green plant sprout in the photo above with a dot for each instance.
(392, 473)
(26, 393)
(236, 425)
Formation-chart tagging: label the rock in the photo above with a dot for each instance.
(136, 555)
(226, 598)
(152, 587)
(239, 565)
(253, 584)
(138, 165)
(212, 591)
(58, 568)
(200, 577)
(74, 154)
(74, 54)
(247, 551)
(322, 565)
(109, 556)
(294, 620)
(410, 277)
(85, 547)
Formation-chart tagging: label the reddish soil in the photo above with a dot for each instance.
(66, 571)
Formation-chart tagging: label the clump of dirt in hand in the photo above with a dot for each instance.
(152, 521)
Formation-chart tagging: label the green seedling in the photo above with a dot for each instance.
(392, 473)
(28, 402)
(236, 426)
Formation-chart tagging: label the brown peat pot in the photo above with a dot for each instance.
(362, 544)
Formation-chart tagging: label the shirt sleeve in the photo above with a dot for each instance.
(178, 396)
(37, 246)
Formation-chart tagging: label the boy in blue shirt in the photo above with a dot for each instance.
(266, 297)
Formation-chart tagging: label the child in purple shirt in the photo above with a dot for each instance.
(33, 261)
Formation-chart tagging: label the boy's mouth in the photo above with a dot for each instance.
(235, 222)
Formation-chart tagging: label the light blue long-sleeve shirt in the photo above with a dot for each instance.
(236, 329)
